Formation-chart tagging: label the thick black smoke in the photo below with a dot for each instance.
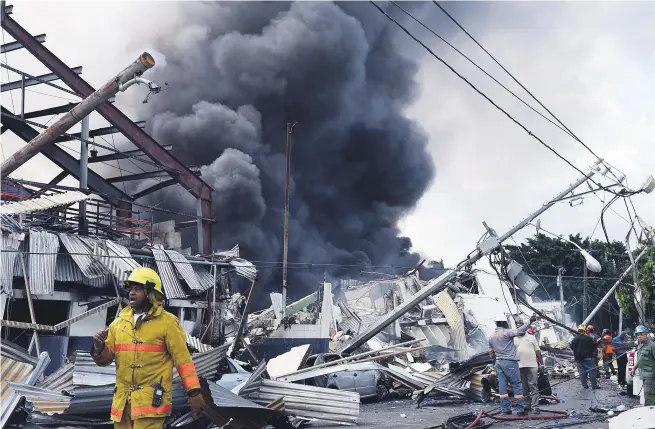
(238, 71)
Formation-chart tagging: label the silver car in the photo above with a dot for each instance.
(363, 378)
(231, 374)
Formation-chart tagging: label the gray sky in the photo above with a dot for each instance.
(592, 64)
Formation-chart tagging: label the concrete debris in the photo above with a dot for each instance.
(288, 362)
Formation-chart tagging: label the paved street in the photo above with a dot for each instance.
(434, 412)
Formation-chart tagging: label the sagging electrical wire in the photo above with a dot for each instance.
(486, 97)
(565, 128)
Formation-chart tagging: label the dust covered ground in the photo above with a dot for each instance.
(433, 411)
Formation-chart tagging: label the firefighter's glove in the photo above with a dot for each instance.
(99, 340)
(533, 318)
(197, 403)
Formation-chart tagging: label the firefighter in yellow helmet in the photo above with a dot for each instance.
(146, 341)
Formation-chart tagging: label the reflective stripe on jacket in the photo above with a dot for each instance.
(145, 354)
(608, 349)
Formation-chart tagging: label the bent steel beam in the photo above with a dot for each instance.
(67, 163)
(76, 114)
(136, 135)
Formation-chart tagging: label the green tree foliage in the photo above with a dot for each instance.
(541, 256)
(646, 279)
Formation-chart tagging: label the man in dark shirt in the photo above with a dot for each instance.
(584, 352)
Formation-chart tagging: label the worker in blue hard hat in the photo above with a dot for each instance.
(646, 363)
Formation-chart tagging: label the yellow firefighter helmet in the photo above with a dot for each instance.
(146, 277)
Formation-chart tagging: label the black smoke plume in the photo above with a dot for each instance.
(237, 73)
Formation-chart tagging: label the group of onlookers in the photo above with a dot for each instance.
(588, 349)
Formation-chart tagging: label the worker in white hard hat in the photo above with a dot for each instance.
(501, 346)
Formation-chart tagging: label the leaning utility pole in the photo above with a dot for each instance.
(286, 220)
(484, 248)
(585, 303)
(120, 82)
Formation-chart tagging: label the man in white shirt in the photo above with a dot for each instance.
(530, 359)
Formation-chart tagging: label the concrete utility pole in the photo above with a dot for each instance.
(613, 288)
(483, 249)
(286, 220)
(120, 82)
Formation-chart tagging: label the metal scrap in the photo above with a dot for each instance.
(329, 405)
(42, 260)
(44, 202)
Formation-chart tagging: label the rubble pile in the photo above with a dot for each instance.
(301, 363)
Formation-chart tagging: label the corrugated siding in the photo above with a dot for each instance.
(183, 267)
(170, 281)
(307, 401)
(68, 271)
(9, 245)
(42, 261)
(82, 254)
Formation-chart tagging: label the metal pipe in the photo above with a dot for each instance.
(22, 97)
(439, 283)
(84, 171)
(86, 106)
(611, 291)
(30, 304)
(286, 219)
(585, 300)
(560, 271)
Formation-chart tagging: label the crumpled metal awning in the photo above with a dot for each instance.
(44, 202)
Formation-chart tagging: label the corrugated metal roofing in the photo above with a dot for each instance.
(244, 268)
(169, 279)
(82, 254)
(42, 261)
(43, 400)
(87, 373)
(67, 270)
(43, 202)
(196, 344)
(60, 380)
(183, 267)
(9, 397)
(9, 245)
(204, 277)
(229, 254)
(8, 223)
(330, 405)
(122, 261)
